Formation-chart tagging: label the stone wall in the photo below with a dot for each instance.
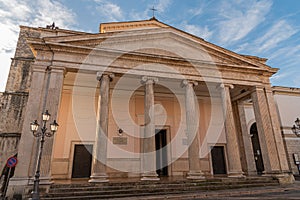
(287, 100)
(8, 146)
(292, 147)
(20, 71)
(12, 109)
(13, 101)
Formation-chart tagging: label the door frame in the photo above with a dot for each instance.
(210, 146)
(71, 154)
(259, 146)
(169, 152)
(169, 148)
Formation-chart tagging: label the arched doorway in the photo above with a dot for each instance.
(256, 149)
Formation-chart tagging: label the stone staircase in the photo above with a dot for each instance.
(138, 188)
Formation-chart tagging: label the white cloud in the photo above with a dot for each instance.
(135, 15)
(162, 5)
(278, 32)
(30, 13)
(240, 18)
(109, 11)
(202, 32)
(268, 42)
(196, 11)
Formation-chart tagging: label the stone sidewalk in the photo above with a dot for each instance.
(271, 192)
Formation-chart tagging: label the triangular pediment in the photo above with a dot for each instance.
(154, 37)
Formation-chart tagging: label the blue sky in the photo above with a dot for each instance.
(265, 28)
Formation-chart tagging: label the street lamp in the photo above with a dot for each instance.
(296, 128)
(34, 126)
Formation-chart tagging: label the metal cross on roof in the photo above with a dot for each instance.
(153, 10)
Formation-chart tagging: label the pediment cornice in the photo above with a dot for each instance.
(86, 43)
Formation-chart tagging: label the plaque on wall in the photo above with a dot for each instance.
(120, 140)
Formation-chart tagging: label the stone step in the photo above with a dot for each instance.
(214, 180)
(171, 184)
(87, 186)
(127, 189)
(157, 191)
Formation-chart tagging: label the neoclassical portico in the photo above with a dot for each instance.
(191, 93)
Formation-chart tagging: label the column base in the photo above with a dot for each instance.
(99, 178)
(151, 176)
(23, 186)
(251, 173)
(236, 175)
(195, 176)
(283, 178)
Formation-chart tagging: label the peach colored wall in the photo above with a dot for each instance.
(77, 119)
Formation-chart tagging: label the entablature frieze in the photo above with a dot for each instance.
(90, 56)
(204, 72)
(163, 75)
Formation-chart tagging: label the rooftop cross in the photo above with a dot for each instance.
(153, 11)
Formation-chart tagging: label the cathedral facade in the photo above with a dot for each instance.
(143, 100)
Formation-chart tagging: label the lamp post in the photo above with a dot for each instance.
(296, 128)
(34, 128)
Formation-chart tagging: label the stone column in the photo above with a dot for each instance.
(100, 149)
(149, 154)
(192, 130)
(277, 131)
(233, 152)
(250, 167)
(265, 131)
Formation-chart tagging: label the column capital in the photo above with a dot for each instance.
(225, 85)
(56, 69)
(257, 88)
(149, 80)
(101, 74)
(185, 82)
(39, 68)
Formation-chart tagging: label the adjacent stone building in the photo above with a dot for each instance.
(144, 99)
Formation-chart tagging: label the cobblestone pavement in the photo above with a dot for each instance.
(271, 192)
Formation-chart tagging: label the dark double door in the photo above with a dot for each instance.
(256, 149)
(82, 161)
(161, 152)
(218, 160)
